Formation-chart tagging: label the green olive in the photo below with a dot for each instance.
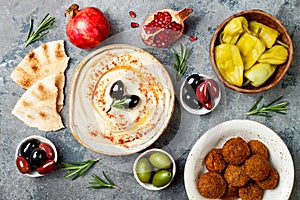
(160, 160)
(144, 170)
(161, 178)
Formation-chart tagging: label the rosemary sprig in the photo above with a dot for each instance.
(77, 169)
(98, 183)
(44, 25)
(265, 110)
(119, 104)
(180, 60)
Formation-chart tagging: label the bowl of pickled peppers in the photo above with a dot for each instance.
(251, 51)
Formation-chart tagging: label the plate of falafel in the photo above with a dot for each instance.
(239, 159)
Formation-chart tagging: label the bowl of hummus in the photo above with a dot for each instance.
(121, 100)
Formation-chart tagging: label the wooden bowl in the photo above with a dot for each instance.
(266, 19)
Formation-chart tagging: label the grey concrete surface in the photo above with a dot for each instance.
(184, 129)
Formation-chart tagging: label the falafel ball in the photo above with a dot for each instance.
(271, 182)
(211, 185)
(236, 176)
(235, 151)
(231, 193)
(251, 192)
(215, 161)
(257, 167)
(257, 147)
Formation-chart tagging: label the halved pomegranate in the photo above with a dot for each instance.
(164, 27)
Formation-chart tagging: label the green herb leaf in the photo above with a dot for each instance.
(44, 25)
(98, 183)
(77, 169)
(180, 60)
(119, 104)
(266, 110)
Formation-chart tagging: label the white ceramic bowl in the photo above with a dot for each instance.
(203, 110)
(34, 173)
(146, 154)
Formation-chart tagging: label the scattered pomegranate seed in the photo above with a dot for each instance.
(193, 38)
(134, 25)
(132, 14)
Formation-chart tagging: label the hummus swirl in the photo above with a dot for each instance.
(143, 76)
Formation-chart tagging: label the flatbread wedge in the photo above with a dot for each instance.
(38, 106)
(59, 83)
(49, 58)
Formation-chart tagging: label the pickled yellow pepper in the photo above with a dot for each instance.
(234, 29)
(230, 63)
(277, 55)
(267, 34)
(251, 48)
(259, 73)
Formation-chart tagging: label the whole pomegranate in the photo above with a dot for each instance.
(87, 27)
(164, 27)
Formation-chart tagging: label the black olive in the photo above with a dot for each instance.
(189, 97)
(28, 146)
(131, 101)
(194, 80)
(38, 157)
(117, 90)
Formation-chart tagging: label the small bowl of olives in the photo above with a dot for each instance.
(154, 169)
(199, 94)
(35, 156)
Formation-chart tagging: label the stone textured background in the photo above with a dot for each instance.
(184, 129)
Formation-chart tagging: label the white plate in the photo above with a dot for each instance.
(280, 156)
(90, 98)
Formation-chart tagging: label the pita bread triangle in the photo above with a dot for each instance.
(49, 58)
(38, 106)
(59, 83)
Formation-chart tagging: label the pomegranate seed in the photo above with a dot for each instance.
(171, 25)
(167, 13)
(178, 27)
(161, 16)
(132, 14)
(193, 38)
(160, 36)
(168, 16)
(168, 19)
(134, 25)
